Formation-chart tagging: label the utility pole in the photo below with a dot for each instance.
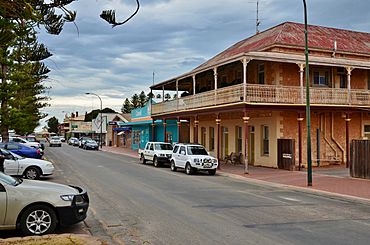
(308, 112)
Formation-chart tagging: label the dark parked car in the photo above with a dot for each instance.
(22, 150)
(91, 144)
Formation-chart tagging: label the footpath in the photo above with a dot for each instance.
(333, 180)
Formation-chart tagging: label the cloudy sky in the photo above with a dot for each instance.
(167, 37)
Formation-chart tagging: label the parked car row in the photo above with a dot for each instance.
(84, 142)
(190, 157)
(32, 206)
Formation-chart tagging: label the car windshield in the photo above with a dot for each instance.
(8, 179)
(16, 155)
(55, 138)
(197, 150)
(91, 141)
(163, 147)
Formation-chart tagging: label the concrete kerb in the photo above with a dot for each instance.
(298, 188)
(106, 229)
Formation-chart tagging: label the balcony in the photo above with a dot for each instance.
(274, 94)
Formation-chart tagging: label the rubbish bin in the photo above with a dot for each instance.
(110, 143)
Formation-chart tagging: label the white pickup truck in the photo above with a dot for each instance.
(157, 152)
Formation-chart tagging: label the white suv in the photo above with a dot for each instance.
(157, 152)
(193, 157)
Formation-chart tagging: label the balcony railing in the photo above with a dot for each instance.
(256, 93)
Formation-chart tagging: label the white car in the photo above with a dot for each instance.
(30, 168)
(55, 140)
(157, 152)
(38, 207)
(25, 142)
(193, 157)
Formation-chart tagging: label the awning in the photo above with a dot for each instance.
(120, 133)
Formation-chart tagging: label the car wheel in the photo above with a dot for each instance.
(155, 162)
(142, 158)
(212, 172)
(189, 169)
(173, 166)
(38, 220)
(32, 173)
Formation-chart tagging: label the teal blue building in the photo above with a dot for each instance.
(142, 128)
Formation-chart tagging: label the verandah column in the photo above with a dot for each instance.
(196, 123)
(349, 70)
(301, 77)
(215, 79)
(299, 119)
(245, 63)
(153, 130)
(165, 130)
(245, 139)
(218, 123)
(194, 84)
(347, 141)
(178, 130)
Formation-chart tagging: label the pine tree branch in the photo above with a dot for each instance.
(110, 16)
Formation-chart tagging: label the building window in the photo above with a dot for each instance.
(211, 138)
(136, 137)
(367, 132)
(238, 139)
(321, 77)
(265, 140)
(261, 73)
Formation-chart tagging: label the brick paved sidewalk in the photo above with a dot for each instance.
(333, 180)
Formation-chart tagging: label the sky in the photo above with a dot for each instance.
(167, 37)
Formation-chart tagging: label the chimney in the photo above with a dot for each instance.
(76, 113)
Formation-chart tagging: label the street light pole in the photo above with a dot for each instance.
(308, 112)
(101, 120)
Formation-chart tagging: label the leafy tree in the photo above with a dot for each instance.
(142, 99)
(94, 113)
(150, 95)
(135, 101)
(21, 69)
(127, 106)
(53, 124)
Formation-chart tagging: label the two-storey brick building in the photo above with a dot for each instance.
(252, 94)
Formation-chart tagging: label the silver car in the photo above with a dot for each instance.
(37, 207)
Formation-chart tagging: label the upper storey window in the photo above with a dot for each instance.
(321, 77)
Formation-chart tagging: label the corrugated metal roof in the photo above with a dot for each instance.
(292, 34)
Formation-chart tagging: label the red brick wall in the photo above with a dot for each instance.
(329, 146)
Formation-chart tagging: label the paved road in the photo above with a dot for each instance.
(140, 204)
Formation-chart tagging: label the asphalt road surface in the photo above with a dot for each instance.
(140, 204)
